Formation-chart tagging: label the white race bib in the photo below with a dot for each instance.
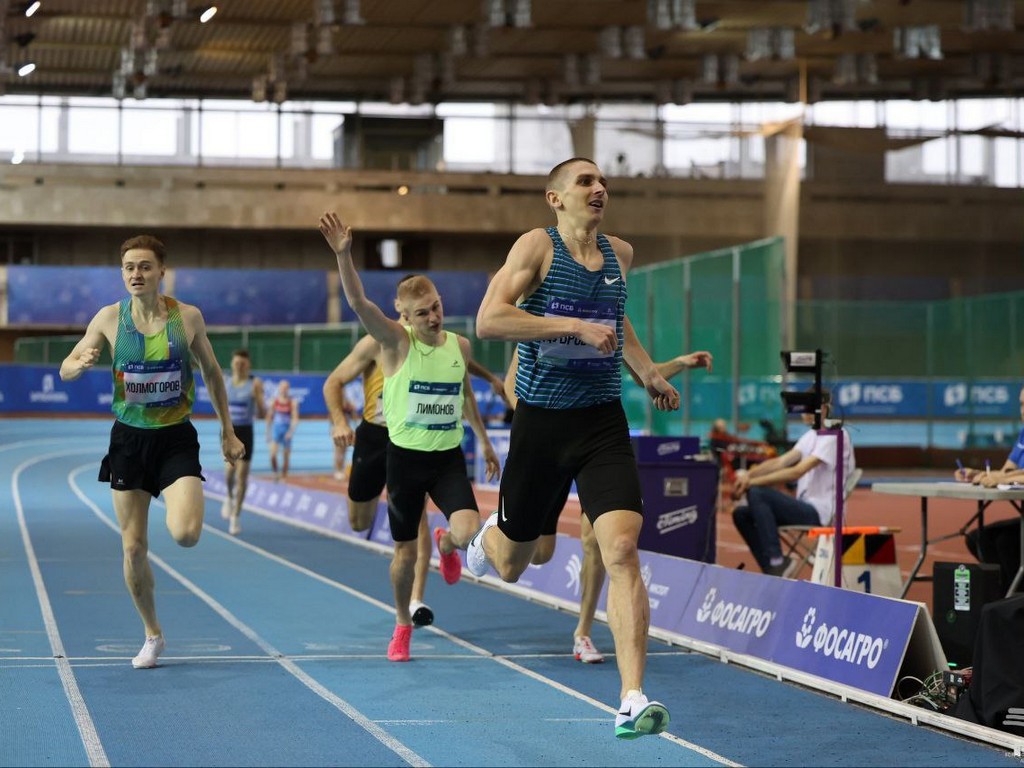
(568, 351)
(153, 383)
(434, 405)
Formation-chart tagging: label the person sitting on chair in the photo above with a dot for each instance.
(811, 463)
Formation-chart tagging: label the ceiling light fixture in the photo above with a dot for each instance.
(32, 8)
(207, 14)
(26, 69)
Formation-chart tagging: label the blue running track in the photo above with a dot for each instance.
(276, 647)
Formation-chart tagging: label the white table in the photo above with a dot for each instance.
(954, 490)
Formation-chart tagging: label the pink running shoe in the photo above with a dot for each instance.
(451, 565)
(584, 650)
(398, 648)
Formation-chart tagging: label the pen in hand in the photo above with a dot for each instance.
(960, 471)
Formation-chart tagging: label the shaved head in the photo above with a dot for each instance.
(557, 176)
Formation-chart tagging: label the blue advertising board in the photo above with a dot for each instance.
(254, 296)
(38, 388)
(880, 397)
(60, 295)
(249, 297)
(26, 388)
(939, 398)
(849, 637)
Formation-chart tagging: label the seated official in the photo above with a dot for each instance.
(761, 507)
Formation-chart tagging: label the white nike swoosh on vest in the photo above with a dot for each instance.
(613, 280)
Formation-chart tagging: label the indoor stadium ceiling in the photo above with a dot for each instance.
(545, 51)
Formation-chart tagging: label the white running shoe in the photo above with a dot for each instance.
(235, 527)
(583, 649)
(639, 717)
(422, 616)
(150, 652)
(225, 510)
(476, 558)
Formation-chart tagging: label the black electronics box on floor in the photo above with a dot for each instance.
(959, 591)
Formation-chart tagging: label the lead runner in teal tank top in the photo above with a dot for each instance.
(561, 294)
(153, 445)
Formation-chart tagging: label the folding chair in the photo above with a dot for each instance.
(795, 539)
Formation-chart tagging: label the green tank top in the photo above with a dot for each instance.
(153, 384)
(423, 399)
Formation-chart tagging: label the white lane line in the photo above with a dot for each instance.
(327, 695)
(86, 727)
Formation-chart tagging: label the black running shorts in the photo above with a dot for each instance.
(244, 433)
(551, 447)
(369, 462)
(150, 459)
(413, 475)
